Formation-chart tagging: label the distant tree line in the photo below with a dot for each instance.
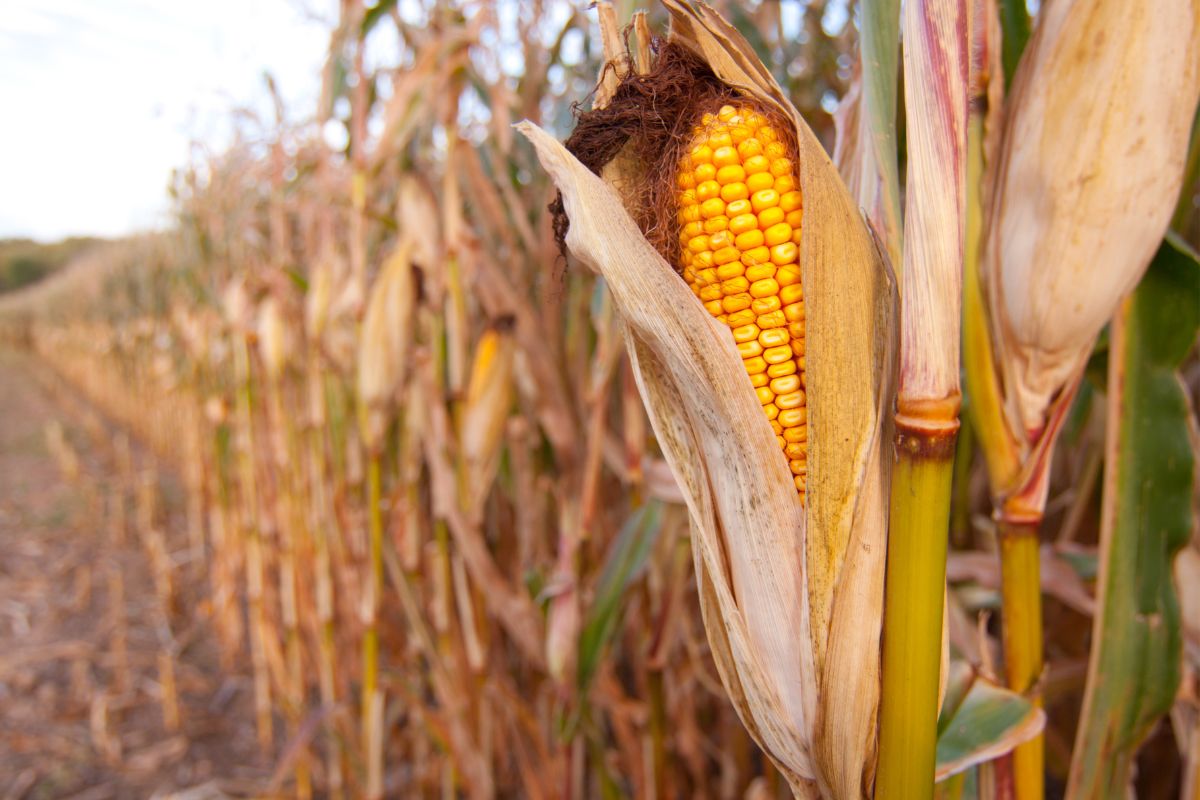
(25, 261)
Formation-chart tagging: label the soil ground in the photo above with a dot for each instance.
(73, 721)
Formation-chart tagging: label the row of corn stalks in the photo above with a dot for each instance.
(458, 556)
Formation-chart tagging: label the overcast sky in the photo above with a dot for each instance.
(100, 100)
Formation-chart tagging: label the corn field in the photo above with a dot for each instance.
(471, 487)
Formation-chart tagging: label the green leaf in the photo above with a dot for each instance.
(880, 53)
(980, 721)
(1145, 519)
(626, 557)
(1014, 22)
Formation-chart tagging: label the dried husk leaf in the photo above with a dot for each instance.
(807, 695)
(1089, 171)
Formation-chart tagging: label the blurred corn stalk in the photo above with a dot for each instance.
(1073, 198)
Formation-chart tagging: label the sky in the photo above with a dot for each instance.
(99, 101)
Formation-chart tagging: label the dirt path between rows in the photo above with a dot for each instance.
(85, 641)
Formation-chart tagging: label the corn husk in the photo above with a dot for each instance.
(383, 352)
(1089, 170)
(485, 412)
(791, 594)
(273, 345)
(318, 299)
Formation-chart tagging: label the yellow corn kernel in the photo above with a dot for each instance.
(734, 192)
(743, 223)
(760, 271)
(760, 181)
(771, 216)
(785, 385)
(731, 173)
(725, 255)
(749, 349)
(781, 369)
(759, 201)
(774, 337)
(757, 255)
(713, 207)
(743, 317)
(778, 234)
(767, 287)
(745, 333)
(772, 319)
(785, 252)
(719, 240)
(733, 269)
(749, 240)
(765, 305)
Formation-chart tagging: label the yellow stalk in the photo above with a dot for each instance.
(327, 659)
(986, 409)
(372, 696)
(254, 556)
(289, 523)
(1021, 597)
(1021, 592)
(916, 577)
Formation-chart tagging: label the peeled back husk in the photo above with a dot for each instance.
(792, 594)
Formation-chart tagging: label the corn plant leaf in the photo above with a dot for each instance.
(870, 165)
(626, 557)
(1014, 19)
(1146, 517)
(980, 721)
(374, 14)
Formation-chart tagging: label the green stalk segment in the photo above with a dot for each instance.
(912, 633)
(1021, 598)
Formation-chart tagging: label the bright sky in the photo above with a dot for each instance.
(100, 100)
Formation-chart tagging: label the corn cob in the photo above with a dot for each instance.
(740, 211)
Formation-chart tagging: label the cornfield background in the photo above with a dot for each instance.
(469, 574)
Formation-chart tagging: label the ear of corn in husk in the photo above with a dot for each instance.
(1088, 173)
(272, 338)
(386, 333)
(791, 589)
(485, 411)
